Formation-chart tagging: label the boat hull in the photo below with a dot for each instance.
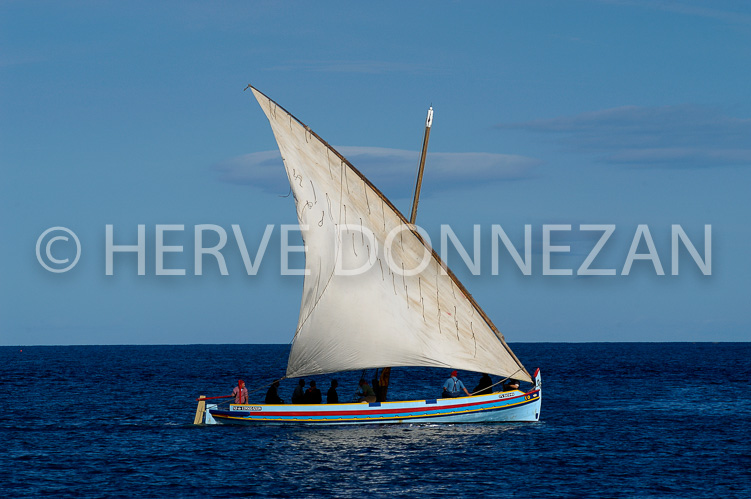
(513, 406)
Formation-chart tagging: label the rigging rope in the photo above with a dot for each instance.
(505, 379)
(254, 391)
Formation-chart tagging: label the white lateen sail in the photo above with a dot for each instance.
(404, 309)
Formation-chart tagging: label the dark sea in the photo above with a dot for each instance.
(618, 420)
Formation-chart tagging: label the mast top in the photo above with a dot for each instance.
(429, 120)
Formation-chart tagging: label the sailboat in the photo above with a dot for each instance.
(375, 295)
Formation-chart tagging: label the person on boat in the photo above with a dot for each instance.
(366, 394)
(240, 393)
(298, 396)
(313, 394)
(331, 396)
(272, 396)
(485, 386)
(453, 386)
(511, 385)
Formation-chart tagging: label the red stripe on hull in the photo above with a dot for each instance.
(374, 411)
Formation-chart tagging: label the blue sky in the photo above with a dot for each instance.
(580, 112)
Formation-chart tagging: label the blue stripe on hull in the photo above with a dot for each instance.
(496, 411)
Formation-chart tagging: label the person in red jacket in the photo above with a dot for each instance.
(240, 393)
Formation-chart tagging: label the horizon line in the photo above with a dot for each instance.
(288, 344)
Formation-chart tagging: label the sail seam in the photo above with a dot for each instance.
(328, 163)
(365, 190)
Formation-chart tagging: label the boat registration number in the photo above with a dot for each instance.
(245, 408)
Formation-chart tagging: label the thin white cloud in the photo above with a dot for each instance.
(680, 156)
(355, 66)
(392, 170)
(9, 58)
(684, 136)
(689, 8)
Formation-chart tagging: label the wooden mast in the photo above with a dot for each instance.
(421, 168)
(383, 380)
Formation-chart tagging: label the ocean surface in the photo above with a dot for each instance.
(618, 420)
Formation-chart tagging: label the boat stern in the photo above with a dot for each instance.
(203, 414)
(209, 418)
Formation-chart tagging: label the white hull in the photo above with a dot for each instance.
(513, 406)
